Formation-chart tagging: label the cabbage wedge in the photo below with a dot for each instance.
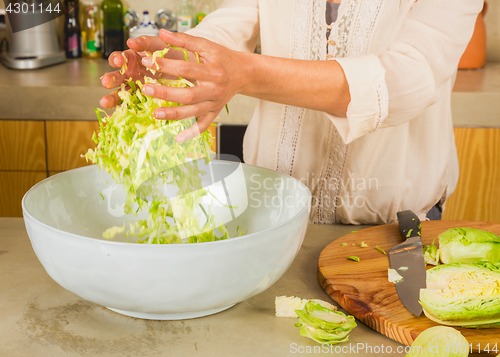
(468, 245)
(463, 294)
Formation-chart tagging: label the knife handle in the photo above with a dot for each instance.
(408, 221)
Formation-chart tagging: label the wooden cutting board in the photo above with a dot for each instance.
(362, 288)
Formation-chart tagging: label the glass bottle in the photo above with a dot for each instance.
(185, 16)
(91, 34)
(203, 8)
(112, 21)
(72, 33)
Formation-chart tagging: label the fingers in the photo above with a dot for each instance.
(110, 101)
(179, 68)
(117, 60)
(183, 111)
(190, 95)
(201, 125)
(146, 43)
(112, 79)
(183, 40)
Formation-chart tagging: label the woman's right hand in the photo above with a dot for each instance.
(135, 70)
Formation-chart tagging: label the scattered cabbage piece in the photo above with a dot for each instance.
(468, 245)
(463, 294)
(343, 244)
(403, 268)
(431, 254)
(364, 245)
(353, 258)
(286, 305)
(439, 341)
(324, 325)
(380, 250)
(394, 276)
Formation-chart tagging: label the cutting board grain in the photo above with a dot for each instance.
(362, 288)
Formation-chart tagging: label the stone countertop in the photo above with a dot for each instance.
(40, 318)
(71, 90)
(475, 100)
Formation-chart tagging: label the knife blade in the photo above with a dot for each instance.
(409, 256)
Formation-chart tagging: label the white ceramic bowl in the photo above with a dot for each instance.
(65, 217)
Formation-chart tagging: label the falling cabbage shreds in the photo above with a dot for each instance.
(132, 120)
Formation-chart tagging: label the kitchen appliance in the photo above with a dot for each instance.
(364, 291)
(35, 47)
(145, 28)
(2, 25)
(407, 259)
(165, 19)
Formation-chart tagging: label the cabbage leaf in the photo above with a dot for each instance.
(468, 245)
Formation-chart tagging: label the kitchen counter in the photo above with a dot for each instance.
(40, 318)
(71, 90)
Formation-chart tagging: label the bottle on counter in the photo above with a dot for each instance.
(146, 27)
(185, 16)
(90, 31)
(112, 23)
(72, 33)
(203, 8)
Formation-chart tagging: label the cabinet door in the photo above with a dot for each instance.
(477, 196)
(67, 141)
(22, 145)
(13, 186)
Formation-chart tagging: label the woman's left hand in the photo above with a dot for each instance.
(218, 77)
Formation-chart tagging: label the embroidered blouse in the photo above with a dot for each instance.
(395, 150)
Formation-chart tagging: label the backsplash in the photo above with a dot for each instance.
(492, 18)
(154, 5)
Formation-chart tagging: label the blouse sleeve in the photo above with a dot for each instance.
(235, 25)
(398, 84)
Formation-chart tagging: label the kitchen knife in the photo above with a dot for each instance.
(407, 259)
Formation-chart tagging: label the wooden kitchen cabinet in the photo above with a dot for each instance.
(14, 184)
(29, 150)
(477, 196)
(22, 145)
(66, 141)
(22, 162)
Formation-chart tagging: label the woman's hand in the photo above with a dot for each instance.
(135, 69)
(218, 77)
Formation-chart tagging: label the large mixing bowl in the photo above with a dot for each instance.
(66, 214)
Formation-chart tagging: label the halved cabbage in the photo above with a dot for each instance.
(468, 245)
(463, 294)
(439, 341)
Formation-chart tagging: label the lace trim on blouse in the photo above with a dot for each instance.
(351, 35)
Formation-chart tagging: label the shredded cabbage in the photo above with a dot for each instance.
(131, 123)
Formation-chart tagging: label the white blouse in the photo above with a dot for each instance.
(395, 150)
